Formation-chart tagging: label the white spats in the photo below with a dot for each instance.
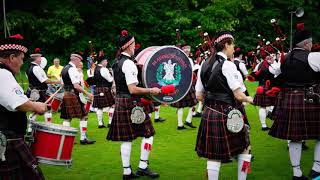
(295, 156)
(83, 129)
(189, 117)
(213, 168)
(110, 113)
(125, 151)
(180, 116)
(48, 116)
(262, 116)
(100, 116)
(316, 163)
(200, 106)
(146, 146)
(244, 161)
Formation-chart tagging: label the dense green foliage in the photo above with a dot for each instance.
(62, 26)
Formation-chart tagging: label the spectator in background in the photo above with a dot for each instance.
(54, 71)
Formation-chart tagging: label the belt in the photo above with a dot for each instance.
(124, 96)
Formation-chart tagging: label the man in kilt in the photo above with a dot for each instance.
(122, 127)
(103, 97)
(221, 87)
(189, 100)
(71, 106)
(38, 81)
(297, 109)
(16, 159)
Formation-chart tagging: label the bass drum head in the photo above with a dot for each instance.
(167, 65)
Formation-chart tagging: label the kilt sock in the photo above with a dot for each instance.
(270, 109)
(243, 166)
(83, 129)
(200, 106)
(316, 163)
(125, 152)
(31, 119)
(146, 146)
(262, 116)
(295, 156)
(100, 116)
(48, 116)
(180, 116)
(156, 112)
(213, 168)
(110, 114)
(66, 123)
(189, 117)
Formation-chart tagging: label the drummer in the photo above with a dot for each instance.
(103, 96)
(71, 106)
(17, 161)
(38, 81)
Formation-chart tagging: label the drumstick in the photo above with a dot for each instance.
(49, 99)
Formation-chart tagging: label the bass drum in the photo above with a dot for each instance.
(166, 65)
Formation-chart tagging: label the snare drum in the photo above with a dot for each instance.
(53, 143)
(55, 103)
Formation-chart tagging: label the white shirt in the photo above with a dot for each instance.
(314, 61)
(229, 70)
(74, 74)
(130, 71)
(11, 95)
(39, 73)
(275, 69)
(105, 73)
(90, 72)
(242, 67)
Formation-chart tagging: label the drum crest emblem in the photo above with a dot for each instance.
(168, 73)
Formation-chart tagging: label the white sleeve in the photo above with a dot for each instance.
(199, 85)
(40, 74)
(229, 70)
(11, 95)
(74, 75)
(256, 68)
(131, 72)
(275, 68)
(106, 74)
(314, 61)
(243, 68)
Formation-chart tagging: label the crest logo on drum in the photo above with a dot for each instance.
(172, 73)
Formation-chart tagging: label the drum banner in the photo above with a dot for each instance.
(168, 65)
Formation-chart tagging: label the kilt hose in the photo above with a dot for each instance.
(122, 129)
(295, 119)
(20, 164)
(214, 140)
(263, 100)
(187, 101)
(106, 100)
(72, 107)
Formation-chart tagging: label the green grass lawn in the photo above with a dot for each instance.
(173, 154)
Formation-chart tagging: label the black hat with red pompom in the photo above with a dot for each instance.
(36, 53)
(125, 40)
(301, 34)
(14, 42)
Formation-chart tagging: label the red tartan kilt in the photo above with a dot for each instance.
(294, 119)
(264, 101)
(72, 107)
(148, 108)
(188, 101)
(214, 140)
(106, 100)
(122, 129)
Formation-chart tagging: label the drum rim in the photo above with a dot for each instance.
(70, 131)
(52, 161)
(144, 69)
(145, 50)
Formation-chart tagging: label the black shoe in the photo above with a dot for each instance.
(130, 176)
(159, 120)
(181, 127)
(190, 125)
(87, 141)
(147, 172)
(314, 174)
(197, 115)
(101, 126)
(265, 129)
(304, 146)
(300, 178)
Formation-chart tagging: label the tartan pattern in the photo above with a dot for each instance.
(102, 101)
(264, 101)
(19, 163)
(155, 103)
(294, 119)
(188, 101)
(148, 108)
(72, 107)
(122, 129)
(214, 141)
